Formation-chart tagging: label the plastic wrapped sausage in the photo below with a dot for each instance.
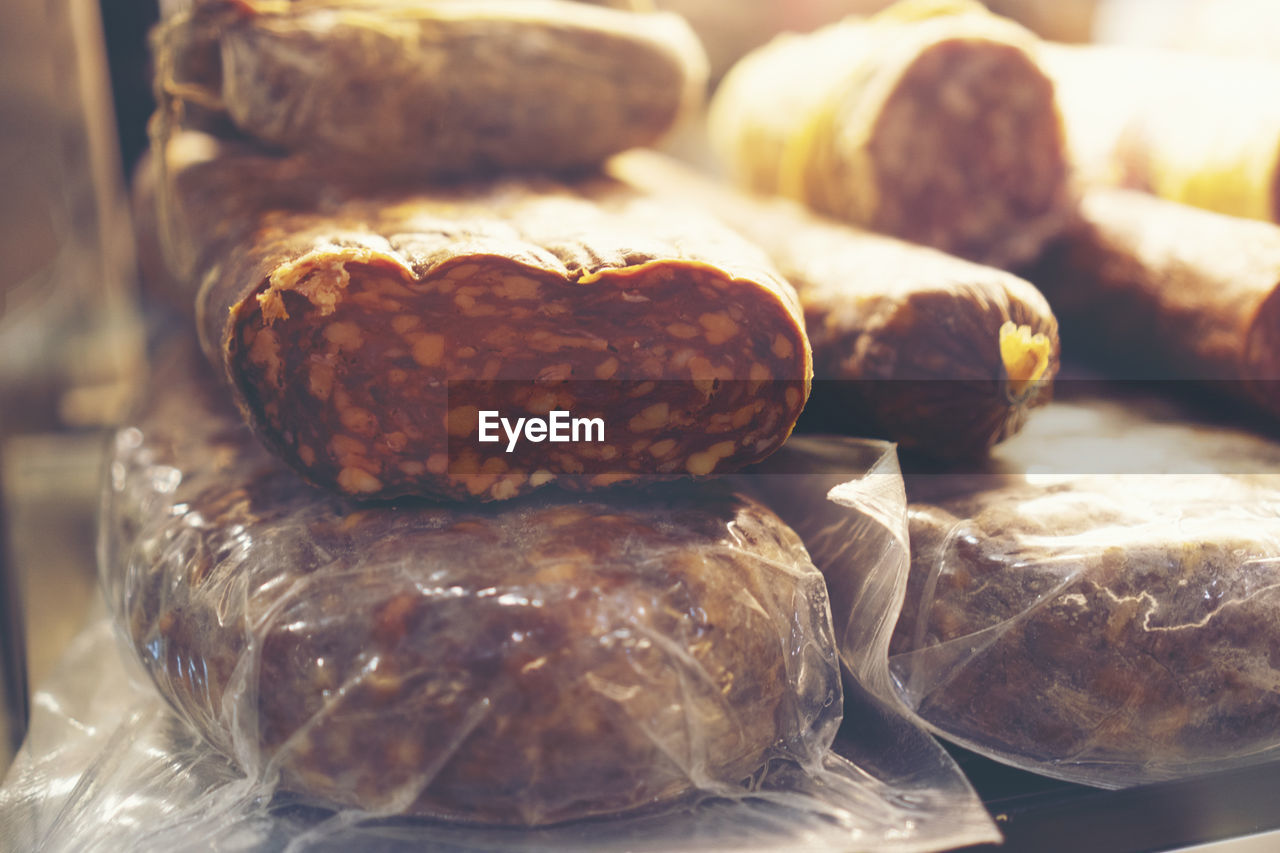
(553, 659)
(936, 353)
(929, 121)
(1201, 130)
(1111, 630)
(1157, 290)
(1115, 627)
(110, 763)
(364, 332)
(440, 88)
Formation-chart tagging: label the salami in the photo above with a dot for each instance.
(930, 121)
(1114, 630)
(936, 353)
(436, 88)
(544, 661)
(1158, 290)
(365, 332)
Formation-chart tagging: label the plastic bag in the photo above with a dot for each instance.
(526, 664)
(1113, 628)
(108, 766)
(901, 793)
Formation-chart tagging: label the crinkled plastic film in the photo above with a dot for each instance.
(857, 536)
(529, 664)
(202, 525)
(1113, 627)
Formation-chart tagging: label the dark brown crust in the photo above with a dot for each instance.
(1155, 289)
(905, 339)
(552, 660)
(302, 297)
(1106, 629)
(449, 87)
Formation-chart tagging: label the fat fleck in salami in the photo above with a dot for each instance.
(930, 121)
(434, 88)
(363, 332)
(547, 660)
(936, 353)
(1201, 130)
(1161, 290)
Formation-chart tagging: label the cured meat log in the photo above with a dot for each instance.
(1112, 630)
(434, 88)
(363, 332)
(549, 660)
(931, 122)
(1158, 290)
(936, 353)
(1201, 130)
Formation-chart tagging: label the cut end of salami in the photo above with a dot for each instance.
(967, 150)
(376, 382)
(931, 122)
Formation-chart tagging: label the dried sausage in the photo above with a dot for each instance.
(531, 662)
(1111, 629)
(440, 88)
(364, 331)
(1152, 289)
(939, 354)
(932, 124)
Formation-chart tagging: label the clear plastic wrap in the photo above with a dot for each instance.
(1115, 627)
(179, 539)
(542, 662)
